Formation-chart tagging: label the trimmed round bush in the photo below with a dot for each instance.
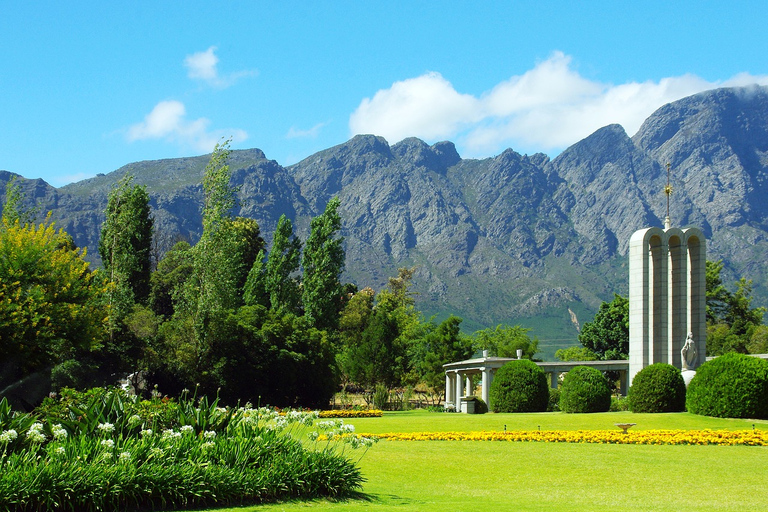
(730, 386)
(585, 390)
(519, 386)
(657, 388)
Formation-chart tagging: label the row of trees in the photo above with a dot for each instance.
(225, 315)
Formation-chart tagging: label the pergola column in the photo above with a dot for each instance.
(458, 391)
(553, 379)
(486, 387)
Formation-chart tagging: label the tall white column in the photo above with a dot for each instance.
(486, 387)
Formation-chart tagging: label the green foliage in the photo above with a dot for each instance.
(381, 397)
(585, 389)
(619, 404)
(125, 244)
(730, 386)
(103, 450)
(323, 263)
(168, 282)
(282, 263)
(14, 208)
(480, 406)
(255, 289)
(440, 345)
(731, 320)
(217, 270)
(519, 386)
(576, 354)
(554, 400)
(505, 340)
(50, 302)
(608, 334)
(381, 357)
(657, 388)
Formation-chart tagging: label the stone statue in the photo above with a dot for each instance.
(688, 353)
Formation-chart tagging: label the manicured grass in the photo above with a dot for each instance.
(472, 475)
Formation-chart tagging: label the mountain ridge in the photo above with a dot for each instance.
(511, 238)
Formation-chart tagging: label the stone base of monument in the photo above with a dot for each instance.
(688, 376)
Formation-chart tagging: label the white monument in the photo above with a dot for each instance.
(667, 297)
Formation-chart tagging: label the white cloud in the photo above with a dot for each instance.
(204, 66)
(168, 121)
(547, 108)
(296, 133)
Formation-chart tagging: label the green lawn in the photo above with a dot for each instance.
(477, 475)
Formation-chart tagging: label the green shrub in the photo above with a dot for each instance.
(519, 386)
(657, 388)
(619, 404)
(554, 400)
(381, 397)
(730, 386)
(585, 390)
(480, 406)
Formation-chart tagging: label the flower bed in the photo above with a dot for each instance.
(369, 413)
(101, 451)
(688, 437)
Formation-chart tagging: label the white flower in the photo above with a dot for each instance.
(170, 434)
(146, 432)
(58, 432)
(8, 435)
(108, 443)
(186, 429)
(106, 427)
(313, 436)
(60, 450)
(107, 455)
(157, 452)
(134, 420)
(35, 434)
(207, 445)
(209, 434)
(125, 456)
(347, 429)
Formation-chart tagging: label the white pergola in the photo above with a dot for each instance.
(458, 376)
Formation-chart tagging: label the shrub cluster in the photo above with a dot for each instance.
(519, 386)
(554, 400)
(104, 450)
(657, 388)
(730, 386)
(480, 406)
(585, 390)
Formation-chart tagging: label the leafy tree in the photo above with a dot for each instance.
(732, 322)
(50, 301)
(167, 283)
(608, 334)
(247, 244)
(14, 208)
(124, 247)
(282, 263)
(505, 340)
(323, 263)
(440, 345)
(214, 283)
(576, 354)
(255, 289)
(380, 357)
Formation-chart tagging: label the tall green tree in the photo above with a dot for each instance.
(323, 263)
(505, 340)
(608, 334)
(282, 264)
(125, 245)
(214, 283)
(440, 345)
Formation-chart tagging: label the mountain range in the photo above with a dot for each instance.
(516, 239)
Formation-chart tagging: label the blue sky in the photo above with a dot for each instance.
(86, 87)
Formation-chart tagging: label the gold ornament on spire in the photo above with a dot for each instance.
(668, 192)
